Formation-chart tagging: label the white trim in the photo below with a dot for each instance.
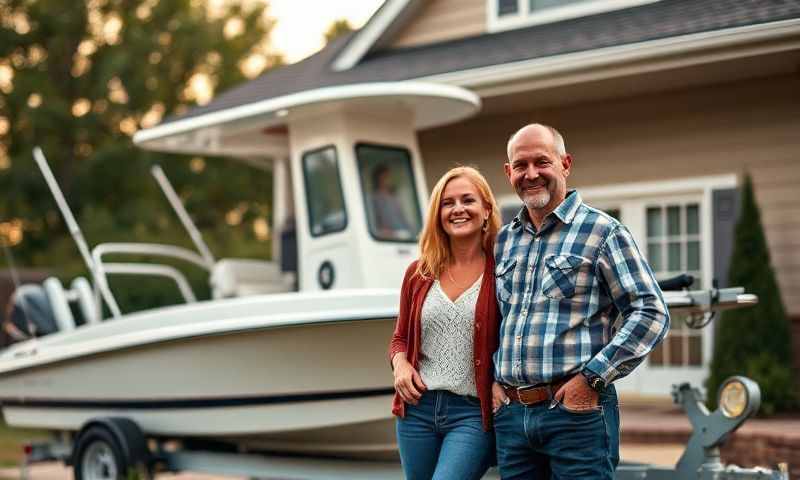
(542, 68)
(622, 191)
(272, 107)
(370, 34)
(524, 17)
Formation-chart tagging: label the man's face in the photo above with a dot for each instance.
(536, 170)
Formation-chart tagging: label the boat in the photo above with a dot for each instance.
(287, 356)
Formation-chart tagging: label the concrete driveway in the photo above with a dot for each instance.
(658, 454)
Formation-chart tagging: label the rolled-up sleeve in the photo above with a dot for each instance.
(635, 293)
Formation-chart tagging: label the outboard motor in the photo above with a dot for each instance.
(28, 309)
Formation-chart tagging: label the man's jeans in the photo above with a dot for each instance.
(548, 440)
(442, 438)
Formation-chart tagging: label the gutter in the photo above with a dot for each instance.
(571, 63)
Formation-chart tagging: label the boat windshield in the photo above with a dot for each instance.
(390, 196)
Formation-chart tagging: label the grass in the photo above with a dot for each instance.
(11, 441)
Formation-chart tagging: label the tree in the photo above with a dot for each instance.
(337, 29)
(755, 342)
(79, 78)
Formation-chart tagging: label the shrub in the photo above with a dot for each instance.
(755, 342)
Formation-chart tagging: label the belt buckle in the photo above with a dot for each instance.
(519, 394)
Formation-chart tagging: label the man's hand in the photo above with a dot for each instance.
(407, 381)
(576, 394)
(499, 397)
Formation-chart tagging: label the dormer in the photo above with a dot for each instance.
(510, 14)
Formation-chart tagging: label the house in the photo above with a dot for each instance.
(664, 104)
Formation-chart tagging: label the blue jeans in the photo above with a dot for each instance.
(442, 438)
(541, 441)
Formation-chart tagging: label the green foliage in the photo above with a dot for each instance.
(78, 78)
(337, 29)
(754, 342)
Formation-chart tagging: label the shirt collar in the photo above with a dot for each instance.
(565, 211)
(569, 207)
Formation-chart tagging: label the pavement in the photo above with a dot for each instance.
(659, 454)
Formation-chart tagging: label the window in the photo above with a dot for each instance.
(673, 247)
(390, 194)
(507, 14)
(326, 211)
(536, 5)
(507, 7)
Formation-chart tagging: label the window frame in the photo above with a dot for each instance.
(679, 332)
(365, 200)
(524, 17)
(303, 158)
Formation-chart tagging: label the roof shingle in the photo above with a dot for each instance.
(653, 21)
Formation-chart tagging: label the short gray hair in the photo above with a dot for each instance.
(558, 139)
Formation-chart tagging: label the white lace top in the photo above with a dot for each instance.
(447, 343)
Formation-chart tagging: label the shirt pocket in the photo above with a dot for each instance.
(565, 276)
(504, 278)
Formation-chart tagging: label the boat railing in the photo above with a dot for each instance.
(153, 270)
(103, 269)
(150, 249)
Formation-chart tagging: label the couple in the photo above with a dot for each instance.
(508, 339)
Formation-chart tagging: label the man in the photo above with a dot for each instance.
(580, 309)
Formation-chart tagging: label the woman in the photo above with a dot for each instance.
(445, 335)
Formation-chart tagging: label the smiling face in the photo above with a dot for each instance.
(462, 211)
(537, 171)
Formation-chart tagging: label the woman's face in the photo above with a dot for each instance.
(462, 211)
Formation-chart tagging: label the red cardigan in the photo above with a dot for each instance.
(406, 336)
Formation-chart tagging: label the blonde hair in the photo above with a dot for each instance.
(434, 244)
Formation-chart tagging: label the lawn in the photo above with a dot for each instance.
(11, 441)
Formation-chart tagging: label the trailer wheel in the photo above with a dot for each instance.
(98, 456)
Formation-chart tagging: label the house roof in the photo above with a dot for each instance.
(654, 21)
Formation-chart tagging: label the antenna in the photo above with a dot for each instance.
(75, 231)
(183, 215)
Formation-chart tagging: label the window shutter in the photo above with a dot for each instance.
(725, 213)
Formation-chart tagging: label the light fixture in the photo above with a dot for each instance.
(735, 398)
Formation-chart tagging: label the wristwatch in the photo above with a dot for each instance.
(595, 381)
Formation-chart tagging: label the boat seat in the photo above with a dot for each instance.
(80, 291)
(59, 304)
(239, 277)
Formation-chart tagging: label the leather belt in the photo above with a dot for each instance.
(535, 394)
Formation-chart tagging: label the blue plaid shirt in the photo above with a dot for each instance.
(575, 295)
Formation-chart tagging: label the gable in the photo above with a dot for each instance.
(441, 20)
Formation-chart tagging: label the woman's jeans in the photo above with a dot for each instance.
(442, 438)
(548, 441)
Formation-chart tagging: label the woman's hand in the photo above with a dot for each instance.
(499, 397)
(407, 381)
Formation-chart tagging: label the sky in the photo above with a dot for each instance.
(301, 24)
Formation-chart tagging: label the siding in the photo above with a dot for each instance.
(751, 126)
(441, 20)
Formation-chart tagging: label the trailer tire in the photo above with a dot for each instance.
(98, 456)
(110, 449)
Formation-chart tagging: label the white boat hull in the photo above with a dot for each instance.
(321, 387)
